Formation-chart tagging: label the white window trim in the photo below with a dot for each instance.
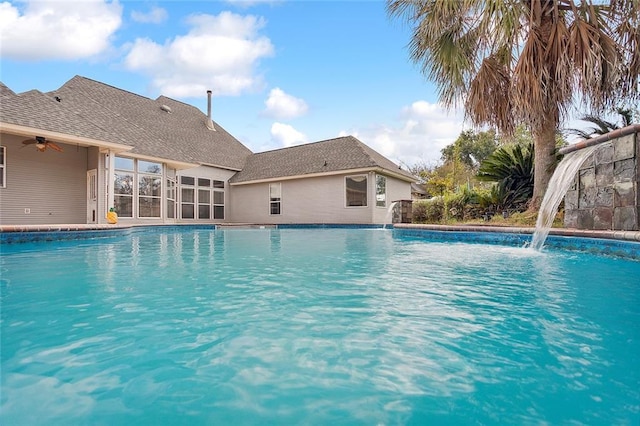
(135, 197)
(3, 165)
(194, 188)
(279, 201)
(385, 191)
(366, 176)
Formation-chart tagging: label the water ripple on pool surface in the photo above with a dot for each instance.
(254, 327)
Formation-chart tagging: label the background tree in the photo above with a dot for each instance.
(526, 61)
(471, 148)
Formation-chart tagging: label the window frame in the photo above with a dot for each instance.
(156, 176)
(347, 197)
(3, 166)
(218, 208)
(187, 186)
(205, 207)
(275, 201)
(132, 167)
(203, 187)
(381, 178)
(171, 190)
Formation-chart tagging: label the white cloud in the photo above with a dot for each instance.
(218, 53)
(285, 135)
(156, 15)
(57, 29)
(282, 106)
(423, 130)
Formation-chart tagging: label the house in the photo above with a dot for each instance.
(419, 191)
(68, 156)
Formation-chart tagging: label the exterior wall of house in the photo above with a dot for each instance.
(396, 190)
(312, 200)
(43, 187)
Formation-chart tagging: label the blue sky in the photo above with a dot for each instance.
(282, 72)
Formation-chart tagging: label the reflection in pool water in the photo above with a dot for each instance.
(315, 326)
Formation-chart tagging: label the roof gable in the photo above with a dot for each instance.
(333, 155)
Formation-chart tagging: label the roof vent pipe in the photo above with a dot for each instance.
(209, 122)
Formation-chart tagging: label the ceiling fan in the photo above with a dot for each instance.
(42, 144)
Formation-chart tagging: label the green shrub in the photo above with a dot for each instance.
(428, 211)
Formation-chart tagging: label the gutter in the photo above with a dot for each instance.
(618, 133)
(379, 170)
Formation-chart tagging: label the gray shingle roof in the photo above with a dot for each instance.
(96, 110)
(40, 111)
(340, 154)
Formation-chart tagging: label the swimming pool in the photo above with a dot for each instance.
(315, 326)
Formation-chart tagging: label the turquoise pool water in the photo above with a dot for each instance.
(315, 326)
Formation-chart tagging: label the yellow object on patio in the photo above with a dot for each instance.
(112, 216)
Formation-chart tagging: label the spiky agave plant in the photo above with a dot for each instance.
(511, 168)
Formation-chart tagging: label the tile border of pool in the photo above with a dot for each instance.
(616, 243)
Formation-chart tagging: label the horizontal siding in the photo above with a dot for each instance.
(313, 200)
(51, 184)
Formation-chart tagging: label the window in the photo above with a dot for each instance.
(187, 197)
(3, 164)
(123, 186)
(201, 198)
(204, 198)
(356, 191)
(218, 204)
(149, 189)
(171, 198)
(381, 191)
(187, 180)
(275, 197)
(137, 183)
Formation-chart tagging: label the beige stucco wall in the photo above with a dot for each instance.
(51, 184)
(315, 200)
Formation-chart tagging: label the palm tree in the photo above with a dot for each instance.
(603, 126)
(527, 61)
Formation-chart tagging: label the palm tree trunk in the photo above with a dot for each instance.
(545, 151)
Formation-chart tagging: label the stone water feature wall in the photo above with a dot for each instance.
(604, 194)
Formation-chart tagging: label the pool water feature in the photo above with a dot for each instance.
(564, 174)
(315, 326)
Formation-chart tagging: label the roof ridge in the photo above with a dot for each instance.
(306, 144)
(80, 77)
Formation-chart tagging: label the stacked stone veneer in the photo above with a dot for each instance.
(604, 194)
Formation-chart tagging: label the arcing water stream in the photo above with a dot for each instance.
(558, 187)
